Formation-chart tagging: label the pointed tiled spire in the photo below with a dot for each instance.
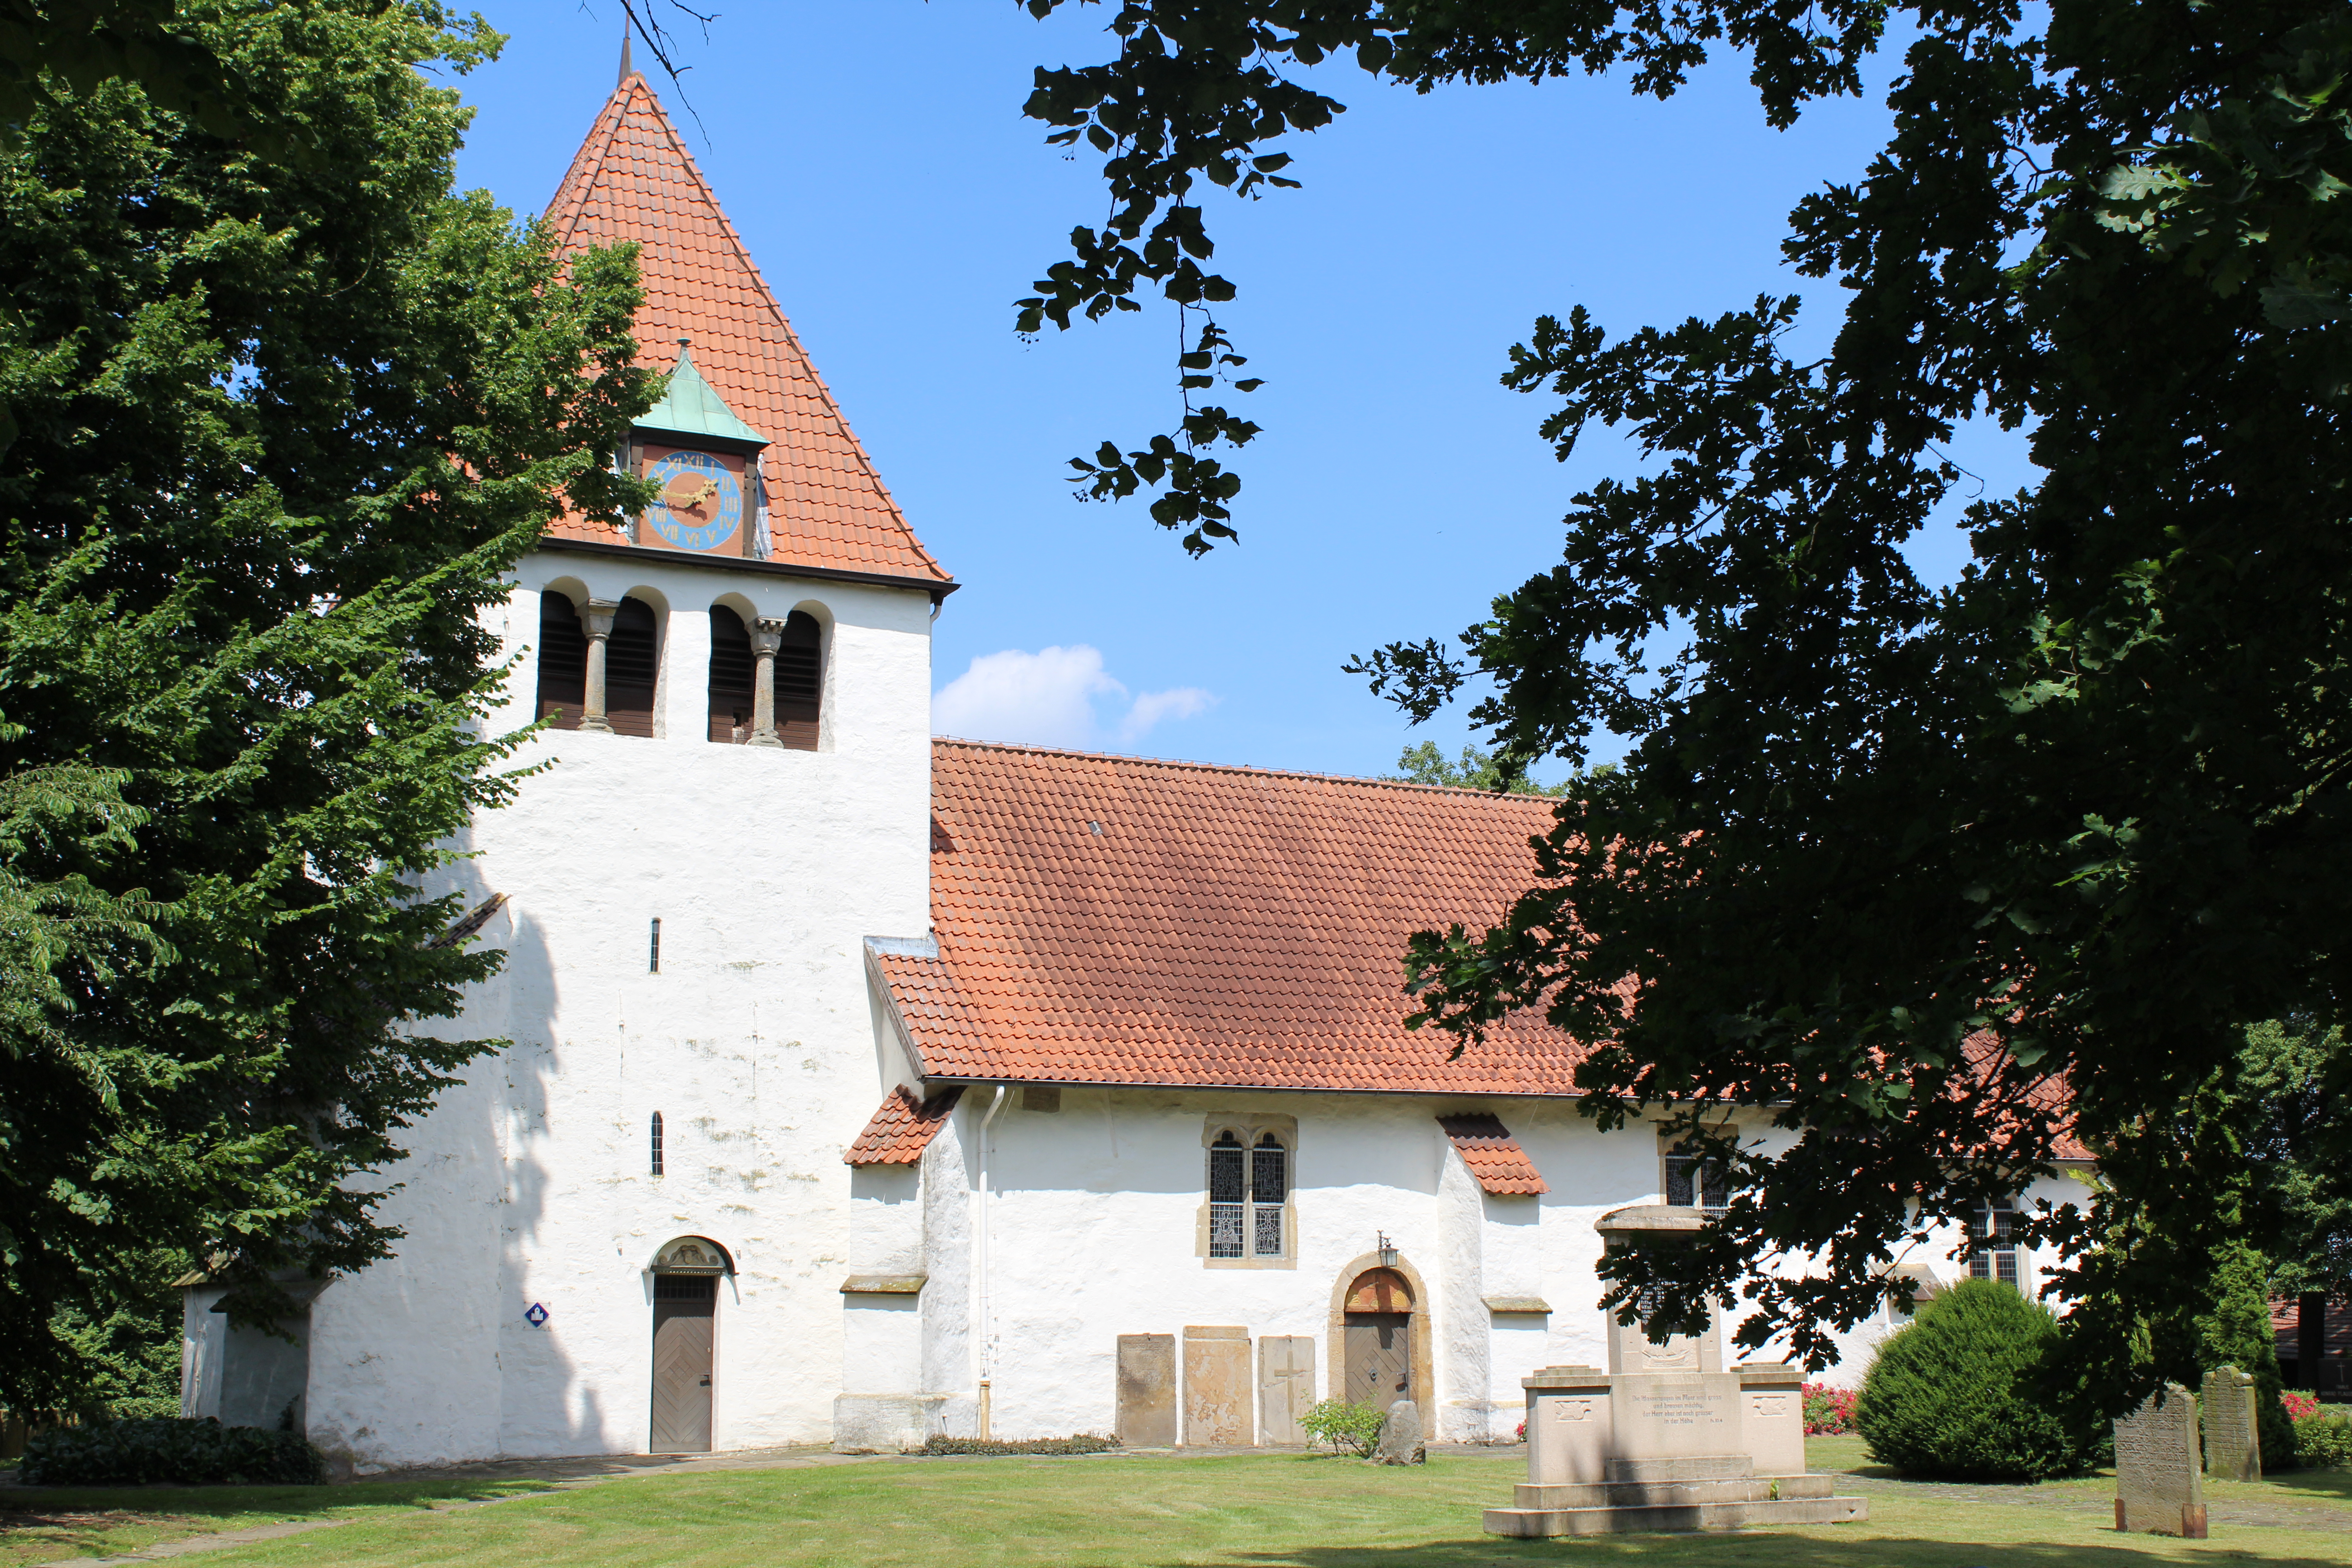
(634, 179)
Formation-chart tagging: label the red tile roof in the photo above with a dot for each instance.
(1493, 1155)
(633, 179)
(1216, 926)
(902, 1128)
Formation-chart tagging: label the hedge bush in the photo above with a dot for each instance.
(1951, 1394)
(2322, 1440)
(170, 1449)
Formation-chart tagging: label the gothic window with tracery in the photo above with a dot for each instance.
(1249, 1196)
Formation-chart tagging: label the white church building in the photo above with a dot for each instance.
(864, 1085)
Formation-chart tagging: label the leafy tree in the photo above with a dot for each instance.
(1952, 878)
(281, 428)
(1426, 764)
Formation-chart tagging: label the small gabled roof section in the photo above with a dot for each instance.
(633, 181)
(902, 1128)
(1494, 1157)
(691, 408)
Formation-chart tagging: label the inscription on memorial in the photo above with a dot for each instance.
(2159, 1485)
(1674, 1407)
(2233, 1443)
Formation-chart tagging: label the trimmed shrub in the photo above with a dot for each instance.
(1345, 1427)
(170, 1449)
(1083, 1443)
(2322, 1440)
(1829, 1412)
(1952, 1394)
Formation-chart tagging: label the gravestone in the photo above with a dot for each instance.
(2159, 1485)
(1401, 1441)
(1285, 1386)
(1216, 1386)
(2233, 1440)
(1147, 1391)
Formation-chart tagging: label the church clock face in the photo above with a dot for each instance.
(700, 501)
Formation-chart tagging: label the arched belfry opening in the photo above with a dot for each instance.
(686, 1275)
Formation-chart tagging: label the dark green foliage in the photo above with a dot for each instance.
(1084, 1443)
(2236, 1333)
(279, 429)
(166, 1450)
(2322, 1440)
(1951, 877)
(1952, 1393)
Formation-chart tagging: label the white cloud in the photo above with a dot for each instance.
(1179, 702)
(1050, 698)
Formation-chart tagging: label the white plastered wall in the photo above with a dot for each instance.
(529, 1181)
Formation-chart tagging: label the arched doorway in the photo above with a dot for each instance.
(686, 1274)
(1377, 1340)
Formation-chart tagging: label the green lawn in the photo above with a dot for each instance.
(1254, 1512)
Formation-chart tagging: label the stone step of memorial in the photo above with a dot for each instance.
(1684, 1468)
(1535, 1523)
(1547, 1499)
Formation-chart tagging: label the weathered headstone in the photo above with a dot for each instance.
(2159, 1485)
(1285, 1386)
(1401, 1441)
(1147, 1391)
(1217, 1385)
(2233, 1441)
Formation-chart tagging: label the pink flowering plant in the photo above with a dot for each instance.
(1829, 1412)
(2299, 1406)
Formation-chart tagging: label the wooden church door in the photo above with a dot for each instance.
(1379, 1359)
(684, 1315)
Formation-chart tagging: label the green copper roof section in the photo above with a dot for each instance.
(691, 407)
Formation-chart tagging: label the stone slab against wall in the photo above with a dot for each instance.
(2159, 1485)
(1285, 1386)
(1216, 1386)
(1147, 1391)
(2233, 1442)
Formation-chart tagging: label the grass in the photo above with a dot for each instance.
(1280, 1511)
(60, 1524)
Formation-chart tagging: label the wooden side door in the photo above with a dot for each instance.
(685, 1309)
(1380, 1357)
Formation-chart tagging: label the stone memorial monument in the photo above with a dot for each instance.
(1667, 1438)
(2159, 1485)
(2234, 1438)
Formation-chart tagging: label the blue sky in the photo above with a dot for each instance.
(872, 154)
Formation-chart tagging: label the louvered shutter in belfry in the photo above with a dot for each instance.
(632, 657)
(562, 662)
(799, 681)
(730, 677)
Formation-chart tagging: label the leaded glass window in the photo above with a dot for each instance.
(1228, 1207)
(1269, 1190)
(1692, 1183)
(1995, 1255)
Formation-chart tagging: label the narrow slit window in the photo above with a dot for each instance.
(657, 1143)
